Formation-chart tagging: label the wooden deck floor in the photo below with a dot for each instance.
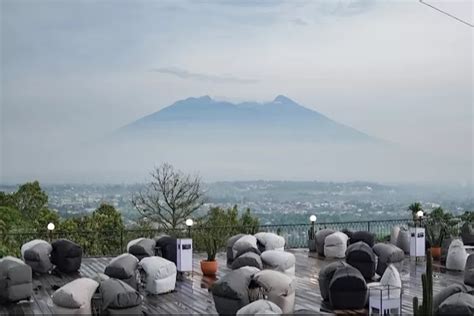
(192, 296)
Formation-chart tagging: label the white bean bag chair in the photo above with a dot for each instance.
(391, 278)
(278, 288)
(457, 256)
(279, 261)
(403, 240)
(75, 297)
(394, 235)
(160, 274)
(244, 244)
(37, 254)
(335, 245)
(260, 307)
(270, 241)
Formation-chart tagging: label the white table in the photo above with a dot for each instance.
(383, 299)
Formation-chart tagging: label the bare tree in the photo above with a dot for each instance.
(170, 198)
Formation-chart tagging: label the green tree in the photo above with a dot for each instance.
(106, 223)
(30, 199)
(249, 224)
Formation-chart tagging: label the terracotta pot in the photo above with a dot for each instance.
(209, 267)
(436, 252)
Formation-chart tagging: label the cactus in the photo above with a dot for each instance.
(426, 307)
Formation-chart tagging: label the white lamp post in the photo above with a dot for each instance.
(51, 227)
(189, 223)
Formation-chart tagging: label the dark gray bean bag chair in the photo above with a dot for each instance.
(66, 255)
(231, 292)
(361, 256)
(325, 277)
(467, 233)
(167, 244)
(142, 247)
(446, 292)
(459, 304)
(347, 289)
(403, 240)
(367, 237)
(387, 254)
(36, 253)
(117, 297)
(15, 280)
(260, 307)
(469, 271)
(248, 259)
(230, 243)
(125, 268)
(320, 237)
(347, 232)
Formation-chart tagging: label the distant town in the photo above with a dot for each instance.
(275, 202)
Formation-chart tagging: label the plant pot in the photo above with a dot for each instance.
(436, 252)
(209, 267)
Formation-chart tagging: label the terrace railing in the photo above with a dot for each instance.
(114, 242)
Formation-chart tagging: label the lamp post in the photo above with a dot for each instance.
(419, 216)
(189, 223)
(313, 219)
(51, 227)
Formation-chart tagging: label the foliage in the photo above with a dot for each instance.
(439, 225)
(426, 308)
(415, 208)
(249, 224)
(170, 198)
(212, 231)
(468, 217)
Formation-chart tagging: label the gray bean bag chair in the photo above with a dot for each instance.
(457, 256)
(335, 245)
(446, 292)
(15, 280)
(231, 292)
(141, 247)
(394, 235)
(362, 257)
(160, 274)
(367, 237)
(467, 233)
(444, 249)
(387, 254)
(245, 244)
(320, 238)
(277, 288)
(325, 277)
(75, 297)
(459, 304)
(269, 241)
(250, 259)
(469, 271)
(66, 255)
(230, 243)
(167, 245)
(403, 240)
(36, 254)
(260, 307)
(280, 261)
(119, 298)
(124, 267)
(347, 289)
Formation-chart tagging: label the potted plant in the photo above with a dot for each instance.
(414, 208)
(437, 227)
(211, 234)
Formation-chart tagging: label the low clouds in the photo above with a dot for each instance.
(184, 74)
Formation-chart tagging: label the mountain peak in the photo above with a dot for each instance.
(283, 99)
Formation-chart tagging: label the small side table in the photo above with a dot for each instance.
(385, 298)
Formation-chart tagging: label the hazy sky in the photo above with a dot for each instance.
(75, 70)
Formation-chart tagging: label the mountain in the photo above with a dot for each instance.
(280, 119)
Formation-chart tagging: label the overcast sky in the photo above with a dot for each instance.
(75, 70)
